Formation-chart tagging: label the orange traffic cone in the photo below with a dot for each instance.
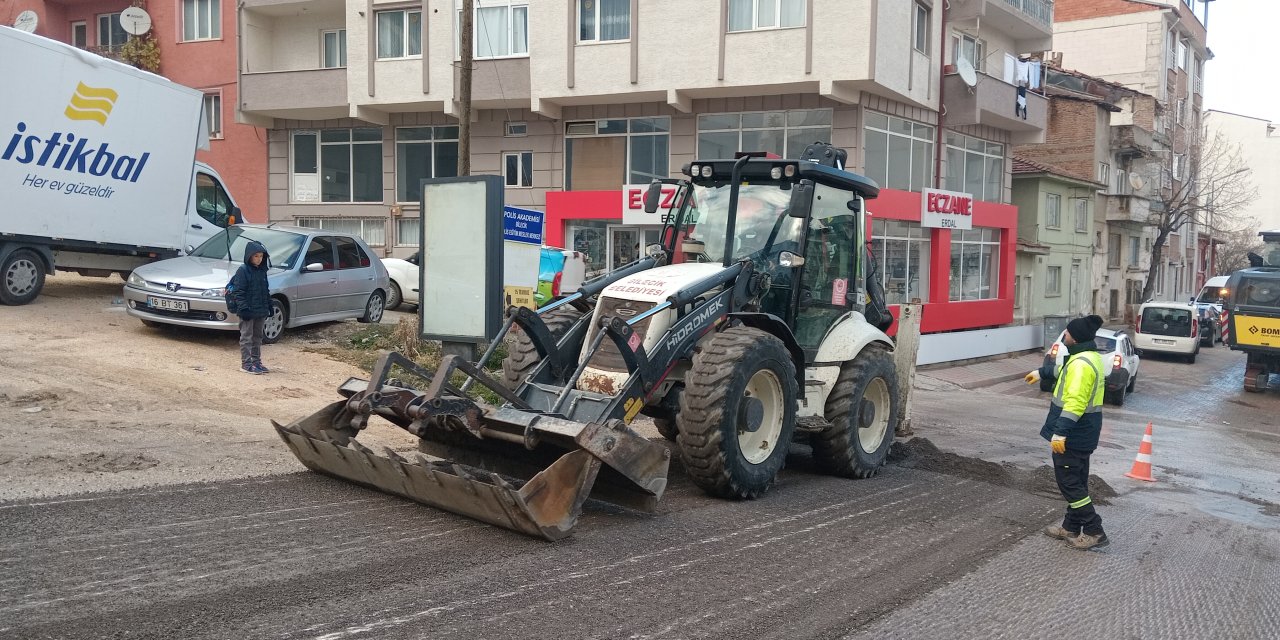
(1142, 464)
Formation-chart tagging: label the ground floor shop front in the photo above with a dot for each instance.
(963, 277)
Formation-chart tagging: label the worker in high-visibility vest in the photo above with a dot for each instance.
(1072, 428)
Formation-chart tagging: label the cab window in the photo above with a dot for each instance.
(829, 265)
(212, 202)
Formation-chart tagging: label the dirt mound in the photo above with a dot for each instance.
(920, 453)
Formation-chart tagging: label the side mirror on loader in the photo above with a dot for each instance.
(801, 200)
(652, 197)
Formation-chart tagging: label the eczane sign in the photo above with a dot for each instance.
(946, 209)
(633, 204)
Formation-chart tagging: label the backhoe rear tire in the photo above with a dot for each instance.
(667, 427)
(522, 357)
(741, 378)
(863, 412)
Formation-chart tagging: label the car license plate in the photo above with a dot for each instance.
(1158, 341)
(166, 304)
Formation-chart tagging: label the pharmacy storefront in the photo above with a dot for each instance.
(950, 251)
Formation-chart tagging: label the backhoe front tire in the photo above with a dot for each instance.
(522, 357)
(741, 378)
(863, 412)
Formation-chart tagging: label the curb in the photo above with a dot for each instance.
(987, 382)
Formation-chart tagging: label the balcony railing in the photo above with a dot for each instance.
(1038, 10)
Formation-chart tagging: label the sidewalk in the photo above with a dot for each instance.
(985, 374)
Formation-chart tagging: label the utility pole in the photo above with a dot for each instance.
(464, 87)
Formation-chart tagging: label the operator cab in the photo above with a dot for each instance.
(800, 222)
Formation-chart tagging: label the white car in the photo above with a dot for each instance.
(1119, 359)
(404, 280)
(1168, 327)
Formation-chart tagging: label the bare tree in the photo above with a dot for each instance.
(1233, 253)
(1206, 186)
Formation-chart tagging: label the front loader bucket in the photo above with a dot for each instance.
(546, 505)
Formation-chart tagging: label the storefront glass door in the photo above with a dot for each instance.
(626, 244)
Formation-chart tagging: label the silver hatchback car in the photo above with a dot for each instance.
(315, 276)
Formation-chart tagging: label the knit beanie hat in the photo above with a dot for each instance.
(1084, 329)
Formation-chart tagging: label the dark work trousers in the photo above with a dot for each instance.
(251, 340)
(1071, 470)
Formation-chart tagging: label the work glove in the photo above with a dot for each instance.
(1059, 444)
(1033, 377)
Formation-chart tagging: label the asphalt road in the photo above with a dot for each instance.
(304, 556)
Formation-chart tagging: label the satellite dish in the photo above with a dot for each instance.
(135, 20)
(1136, 182)
(965, 69)
(26, 21)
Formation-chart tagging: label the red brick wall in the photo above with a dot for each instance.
(1070, 142)
(1067, 10)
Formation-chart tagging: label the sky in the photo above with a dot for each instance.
(1242, 77)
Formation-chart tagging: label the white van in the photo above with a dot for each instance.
(1168, 327)
(1209, 306)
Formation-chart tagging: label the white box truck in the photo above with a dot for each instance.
(97, 166)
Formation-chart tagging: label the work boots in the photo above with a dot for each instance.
(1087, 541)
(1056, 531)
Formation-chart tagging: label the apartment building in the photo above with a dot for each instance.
(580, 103)
(1157, 47)
(1259, 142)
(196, 41)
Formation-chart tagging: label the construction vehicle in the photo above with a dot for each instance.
(744, 330)
(1252, 309)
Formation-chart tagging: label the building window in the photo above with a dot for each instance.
(967, 47)
(603, 155)
(1053, 281)
(590, 238)
(1173, 50)
(501, 29)
(975, 166)
(1104, 172)
(921, 26)
(975, 264)
(201, 20)
(1197, 79)
(213, 113)
(899, 153)
(1053, 211)
(1082, 215)
(373, 230)
(1180, 115)
(1113, 250)
(748, 15)
(516, 130)
(333, 48)
(517, 166)
(1178, 160)
(399, 34)
(337, 165)
(1134, 248)
(80, 34)
(1122, 181)
(424, 152)
(1183, 49)
(111, 34)
(604, 20)
(902, 258)
(785, 133)
(408, 232)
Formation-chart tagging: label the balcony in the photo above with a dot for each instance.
(311, 94)
(1129, 208)
(1132, 140)
(992, 102)
(1028, 22)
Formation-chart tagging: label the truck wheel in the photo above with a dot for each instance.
(522, 357)
(737, 413)
(373, 309)
(667, 427)
(863, 411)
(21, 277)
(394, 297)
(273, 328)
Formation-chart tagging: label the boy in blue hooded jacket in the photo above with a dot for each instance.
(251, 297)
